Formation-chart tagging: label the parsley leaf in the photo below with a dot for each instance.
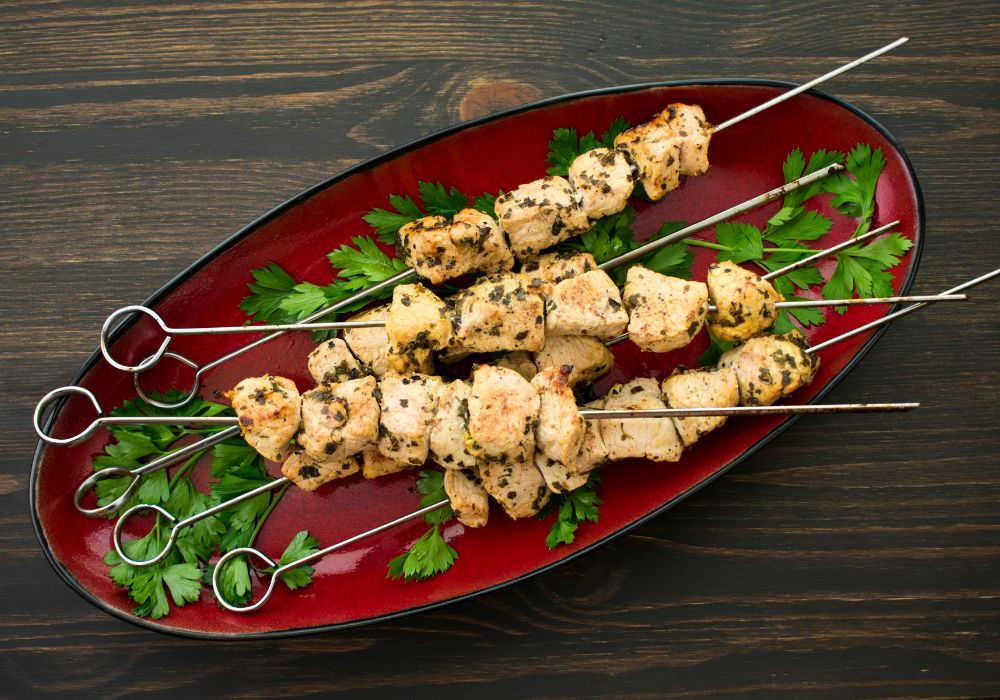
(486, 203)
(744, 242)
(715, 349)
(431, 486)
(430, 555)
(438, 200)
(856, 197)
(617, 126)
(565, 147)
(435, 199)
(862, 269)
(387, 223)
(302, 545)
(271, 285)
(573, 508)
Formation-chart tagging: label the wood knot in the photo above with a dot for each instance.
(495, 96)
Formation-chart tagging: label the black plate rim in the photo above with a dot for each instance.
(289, 204)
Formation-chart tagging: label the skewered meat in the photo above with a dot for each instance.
(573, 474)
(541, 272)
(375, 464)
(418, 323)
(665, 313)
(603, 180)
(468, 498)
(309, 474)
(559, 434)
(519, 361)
(499, 314)
(770, 366)
(408, 405)
(652, 438)
(557, 475)
(339, 420)
(440, 249)
(588, 304)
(539, 214)
(700, 388)
(744, 302)
(332, 361)
(589, 357)
(370, 344)
(655, 150)
(450, 427)
(688, 122)
(268, 412)
(503, 413)
(517, 486)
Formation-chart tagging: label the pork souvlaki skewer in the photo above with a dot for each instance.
(495, 423)
(644, 149)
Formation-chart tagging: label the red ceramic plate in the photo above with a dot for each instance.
(501, 151)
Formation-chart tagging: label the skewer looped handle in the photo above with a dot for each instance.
(117, 319)
(168, 545)
(271, 569)
(185, 396)
(59, 393)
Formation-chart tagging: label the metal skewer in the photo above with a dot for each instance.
(271, 567)
(410, 273)
(809, 85)
(179, 525)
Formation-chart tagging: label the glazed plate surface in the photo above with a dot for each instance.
(499, 152)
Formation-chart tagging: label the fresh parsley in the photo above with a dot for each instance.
(572, 509)
(430, 555)
(435, 199)
(566, 146)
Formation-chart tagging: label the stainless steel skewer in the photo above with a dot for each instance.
(179, 525)
(271, 567)
(410, 273)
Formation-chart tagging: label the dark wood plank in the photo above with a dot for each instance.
(853, 557)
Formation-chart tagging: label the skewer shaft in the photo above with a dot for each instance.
(902, 312)
(732, 212)
(811, 84)
(281, 327)
(804, 262)
(750, 410)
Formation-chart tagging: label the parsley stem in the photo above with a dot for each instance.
(187, 465)
(719, 246)
(263, 517)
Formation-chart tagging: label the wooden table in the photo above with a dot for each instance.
(852, 557)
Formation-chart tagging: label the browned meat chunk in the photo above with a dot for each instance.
(770, 366)
(440, 249)
(499, 314)
(652, 438)
(519, 361)
(370, 344)
(418, 323)
(449, 429)
(268, 410)
(375, 464)
(560, 430)
(700, 388)
(309, 474)
(339, 420)
(744, 302)
(688, 122)
(408, 406)
(541, 273)
(332, 361)
(603, 180)
(589, 357)
(468, 498)
(665, 313)
(518, 487)
(503, 412)
(540, 214)
(588, 304)
(655, 150)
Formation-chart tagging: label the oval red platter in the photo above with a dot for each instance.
(350, 587)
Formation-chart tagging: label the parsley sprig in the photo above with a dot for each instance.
(566, 146)
(430, 555)
(571, 510)
(435, 199)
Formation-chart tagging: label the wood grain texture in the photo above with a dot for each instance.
(855, 556)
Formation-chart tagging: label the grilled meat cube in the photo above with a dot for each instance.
(503, 413)
(440, 249)
(450, 427)
(374, 464)
(770, 366)
(309, 474)
(339, 420)
(332, 361)
(418, 322)
(560, 430)
(655, 150)
(370, 344)
(744, 302)
(519, 361)
(540, 214)
(588, 304)
(468, 498)
(541, 273)
(408, 406)
(499, 314)
(593, 452)
(700, 388)
(665, 313)
(589, 357)
(688, 122)
(558, 477)
(603, 180)
(517, 486)
(269, 412)
(652, 438)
